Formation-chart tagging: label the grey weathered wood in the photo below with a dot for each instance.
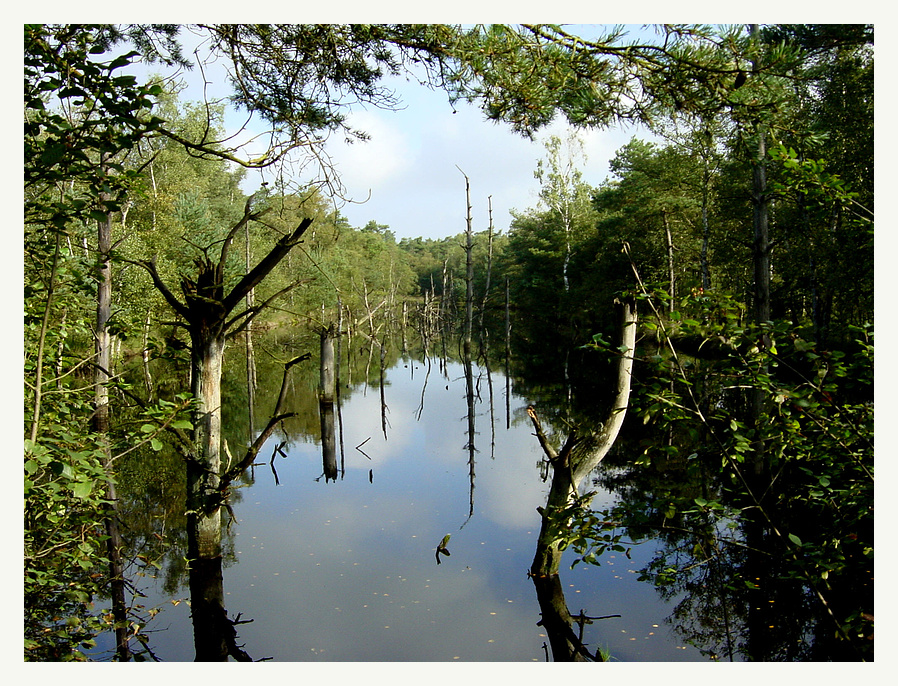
(581, 454)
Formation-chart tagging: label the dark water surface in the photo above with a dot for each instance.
(346, 570)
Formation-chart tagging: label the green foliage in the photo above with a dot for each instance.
(82, 117)
(173, 196)
(78, 110)
(65, 515)
(64, 544)
(586, 532)
(802, 470)
(528, 75)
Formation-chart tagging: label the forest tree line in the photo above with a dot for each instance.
(133, 206)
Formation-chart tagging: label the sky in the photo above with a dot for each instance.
(413, 166)
(409, 174)
(409, 165)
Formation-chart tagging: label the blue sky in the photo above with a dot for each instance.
(411, 166)
(407, 175)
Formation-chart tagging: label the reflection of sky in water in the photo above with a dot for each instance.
(346, 571)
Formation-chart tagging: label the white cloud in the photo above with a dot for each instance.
(375, 163)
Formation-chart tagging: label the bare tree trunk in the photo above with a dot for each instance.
(42, 337)
(250, 355)
(469, 270)
(706, 231)
(145, 356)
(761, 258)
(489, 264)
(155, 191)
(402, 325)
(102, 341)
(326, 396)
(60, 350)
(204, 467)
(580, 455)
(328, 366)
(206, 309)
(671, 273)
(337, 382)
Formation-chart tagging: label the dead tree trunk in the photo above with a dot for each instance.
(207, 310)
(570, 466)
(102, 349)
(761, 258)
(469, 270)
(580, 454)
(327, 383)
(671, 272)
(489, 269)
(337, 381)
(250, 354)
(326, 398)
(204, 495)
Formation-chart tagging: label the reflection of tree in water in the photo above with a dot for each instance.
(738, 590)
(581, 452)
(152, 484)
(735, 584)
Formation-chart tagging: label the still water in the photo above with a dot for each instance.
(346, 570)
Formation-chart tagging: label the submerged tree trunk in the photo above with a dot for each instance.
(103, 357)
(326, 398)
(207, 310)
(581, 454)
(204, 466)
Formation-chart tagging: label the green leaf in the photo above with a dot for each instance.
(83, 489)
(61, 469)
(795, 539)
(156, 444)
